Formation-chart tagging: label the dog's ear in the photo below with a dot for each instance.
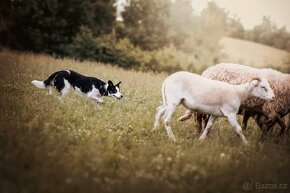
(118, 85)
(110, 83)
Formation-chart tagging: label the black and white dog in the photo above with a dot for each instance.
(92, 87)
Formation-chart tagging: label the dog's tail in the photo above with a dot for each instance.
(39, 84)
(43, 84)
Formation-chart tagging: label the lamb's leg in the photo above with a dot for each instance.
(159, 112)
(185, 116)
(204, 120)
(168, 114)
(233, 121)
(207, 128)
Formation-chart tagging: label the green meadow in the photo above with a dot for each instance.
(79, 146)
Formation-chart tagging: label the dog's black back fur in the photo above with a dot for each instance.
(84, 83)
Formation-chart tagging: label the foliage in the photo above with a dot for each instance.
(154, 35)
(44, 26)
(107, 49)
(122, 52)
(266, 33)
(181, 24)
(145, 23)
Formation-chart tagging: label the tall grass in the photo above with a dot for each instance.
(79, 146)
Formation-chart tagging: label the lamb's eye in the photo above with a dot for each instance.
(264, 88)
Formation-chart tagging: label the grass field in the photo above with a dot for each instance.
(78, 146)
(251, 53)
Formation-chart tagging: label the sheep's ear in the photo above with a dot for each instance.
(118, 85)
(255, 81)
(110, 83)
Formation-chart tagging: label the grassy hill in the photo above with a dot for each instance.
(79, 146)
(251, 53)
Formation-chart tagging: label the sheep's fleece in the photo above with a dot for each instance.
(238, 74)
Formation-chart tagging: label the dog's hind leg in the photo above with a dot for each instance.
(63, 87)
(49, 91)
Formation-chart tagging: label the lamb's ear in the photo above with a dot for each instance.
(118, 85)
(110, 83)
(255, 81)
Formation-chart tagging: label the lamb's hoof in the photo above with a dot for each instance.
(173, 139)
(246, 143)
(201, 139)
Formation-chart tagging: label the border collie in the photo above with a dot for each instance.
(92, 87)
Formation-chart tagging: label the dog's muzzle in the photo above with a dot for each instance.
(118, 97)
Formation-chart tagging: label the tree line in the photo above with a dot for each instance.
(158, 35)
(266, 33)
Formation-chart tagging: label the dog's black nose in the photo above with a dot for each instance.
(121, 96)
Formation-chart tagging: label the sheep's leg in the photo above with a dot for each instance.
(282, 125)
(233, 121)
(198, 121)
(246, 117)
(207, 128)
(159, 112)
(261, 121)
(287, 120)
(168, 114)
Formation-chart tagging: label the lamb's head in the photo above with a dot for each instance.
(259, 87)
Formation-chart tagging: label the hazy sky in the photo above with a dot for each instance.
(251, 12)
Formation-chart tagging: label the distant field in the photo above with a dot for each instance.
(47, 146)
(251, 53)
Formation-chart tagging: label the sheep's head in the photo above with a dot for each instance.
(260, 88)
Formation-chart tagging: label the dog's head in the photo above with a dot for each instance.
(114, 90)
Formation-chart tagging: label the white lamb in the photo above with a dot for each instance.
(219, 99)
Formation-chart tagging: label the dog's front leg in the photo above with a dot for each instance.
(98, 100)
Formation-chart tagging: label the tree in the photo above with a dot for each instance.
(235, 28)
(212, 23)
(47, 25)
(181, 23)
(145, 23)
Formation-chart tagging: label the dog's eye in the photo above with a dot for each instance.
(113, 91)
